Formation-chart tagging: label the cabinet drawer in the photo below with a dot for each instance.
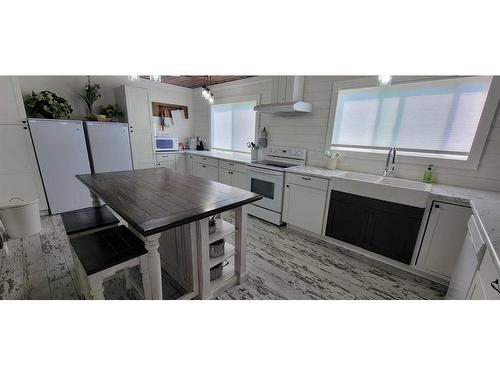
(307, 181)
(232, 166)
(207, 161)
(165, 157)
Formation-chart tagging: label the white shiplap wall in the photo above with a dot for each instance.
(309, 131)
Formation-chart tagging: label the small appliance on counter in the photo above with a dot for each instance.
(201, 143)
(166, 144)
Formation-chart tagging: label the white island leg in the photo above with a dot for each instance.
(152, 244)
(203, 258)
(240, 243)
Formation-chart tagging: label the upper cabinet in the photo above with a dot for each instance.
(11, 102)
(137, 106)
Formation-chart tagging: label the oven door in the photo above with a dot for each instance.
(267, 183)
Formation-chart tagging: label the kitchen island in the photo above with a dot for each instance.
(154, 201)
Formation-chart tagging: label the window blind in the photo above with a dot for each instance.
(439, 116)
(233, 125)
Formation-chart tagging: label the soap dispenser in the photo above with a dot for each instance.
(428, 175)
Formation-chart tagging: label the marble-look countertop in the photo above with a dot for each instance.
(485, 204)
(221, 155)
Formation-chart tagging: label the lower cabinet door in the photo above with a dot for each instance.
(476, 291)
(385, 228)
(240, 180)
(393, 233)
(166, 164)
(305, 207)
(347, 218)
(199, 170)
(188, 166)
(212, 173)
(225, 177)
(443, 238)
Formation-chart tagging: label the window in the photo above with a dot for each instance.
(438, 117)
(233, 125)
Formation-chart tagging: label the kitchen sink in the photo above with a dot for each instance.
(360, 176)
(408, 184)
(391, 189)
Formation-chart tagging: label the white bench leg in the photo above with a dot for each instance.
(96, 287)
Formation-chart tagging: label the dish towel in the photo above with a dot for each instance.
(178, 117)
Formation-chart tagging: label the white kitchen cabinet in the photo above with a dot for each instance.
(180, 163)
(232, 178)
(206, 171)
(240, 180)
(225, 177)
(485, 283)
(11, 102)
(443, 238)
(166, 164)
(304, 204)
(188, 164)
(19, 175)
(137, 109)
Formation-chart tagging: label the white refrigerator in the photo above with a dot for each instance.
(108, 144)
(61, 152)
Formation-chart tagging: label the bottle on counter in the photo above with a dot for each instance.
(428, 175)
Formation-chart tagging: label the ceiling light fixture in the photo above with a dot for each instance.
(133, 78)
(155, 78)
(384, 80)
(205, 91)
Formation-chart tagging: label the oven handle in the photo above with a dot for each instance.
(264, 171)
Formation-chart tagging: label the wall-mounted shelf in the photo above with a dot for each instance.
(167, 108)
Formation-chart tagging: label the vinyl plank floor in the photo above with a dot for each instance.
(282, 265)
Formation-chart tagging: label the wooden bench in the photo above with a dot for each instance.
(87, 220)
(102, 254)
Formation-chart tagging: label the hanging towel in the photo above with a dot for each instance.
(178, 117)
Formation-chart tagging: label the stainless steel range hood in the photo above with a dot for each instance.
(289, 107)
(287, 93)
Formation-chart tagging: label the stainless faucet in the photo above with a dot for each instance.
(390, 171)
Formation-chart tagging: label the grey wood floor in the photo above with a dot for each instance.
(282, 264)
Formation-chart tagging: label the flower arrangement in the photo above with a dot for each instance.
(90, 95)
(333, 158)
(47, 104)
(110, 112)
(332, 155)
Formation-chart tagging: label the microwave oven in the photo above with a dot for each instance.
(166, 144)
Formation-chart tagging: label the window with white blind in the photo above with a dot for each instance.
(233, 125)
(433, 117)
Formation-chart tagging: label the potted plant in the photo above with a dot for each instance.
(110, 112)
(47, 104)
(90, 95)
(333, 158)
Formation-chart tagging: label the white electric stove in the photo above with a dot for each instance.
(267, 177)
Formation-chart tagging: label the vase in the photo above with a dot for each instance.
(254, 155)
(331, 163)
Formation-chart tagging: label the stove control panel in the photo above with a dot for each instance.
(287, 152)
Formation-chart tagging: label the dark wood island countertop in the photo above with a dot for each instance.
(154, 200)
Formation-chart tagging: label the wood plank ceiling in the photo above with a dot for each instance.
(194, 82)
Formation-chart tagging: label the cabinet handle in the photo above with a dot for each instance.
(25, 127)
(306, 178)
(203, 166)
(24, 121)
(131, 131)
(287, 186)
(437, 206)
(494, 285)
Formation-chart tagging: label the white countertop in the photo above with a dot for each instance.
(238, 157)
(485, 204)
